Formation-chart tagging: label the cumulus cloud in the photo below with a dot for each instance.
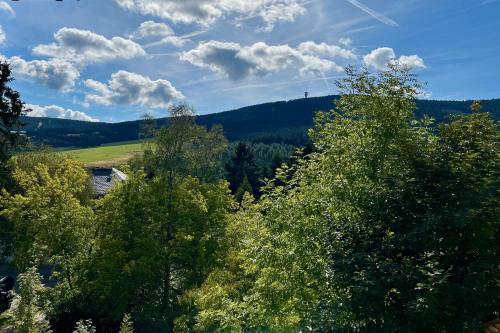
(3, 37)
(324, 49)
(54, 73)
(381, 57)
(131, 88)
(54, 111)
(286, 11)
(4, 6)
(72, 51)
(239, 62)
(150, 29)
(412, 61)
(206, 12)
(84, 46)
(153, 29)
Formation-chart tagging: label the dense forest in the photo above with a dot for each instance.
(280, 122)
(388, 222)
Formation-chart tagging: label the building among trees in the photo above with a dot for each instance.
(104, 179)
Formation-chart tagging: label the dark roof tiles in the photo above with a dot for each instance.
(104, 179)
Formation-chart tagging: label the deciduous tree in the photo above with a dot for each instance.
(390, 225)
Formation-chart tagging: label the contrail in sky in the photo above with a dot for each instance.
(376, 15)
(184, 37)
(325, 80)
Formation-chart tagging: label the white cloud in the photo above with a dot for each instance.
(413, 61)
(7, 8)
(54, 73)
(151, 29)
(381, 57)
(84, 46)
(285, 11)
(131, 88)
(54, 111)
(3, 37)
(324, 49)
(206, 12)
(239, 62)
(347, 42)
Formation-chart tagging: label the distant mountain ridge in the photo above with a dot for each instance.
(282, 121)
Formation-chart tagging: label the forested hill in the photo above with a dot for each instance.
(284, 121)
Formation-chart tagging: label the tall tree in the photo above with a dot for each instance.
(222, 299)
(388, 226)
(28, 313)
(158, 235)
(11, 109)
(184, 148)
(155, 243)
(242, 170)
(147, 127)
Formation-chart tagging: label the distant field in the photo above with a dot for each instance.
(112, 154)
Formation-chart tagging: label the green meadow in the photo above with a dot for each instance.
(107, 155)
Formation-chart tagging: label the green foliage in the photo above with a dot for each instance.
(126, 249)
(11, 109)
(148, 127)
(84, 326)
(127, 325)
(244, 187)
(269, 157)
(27, 161)
(282, 122)
(150, 235)
(241, 171)
(389, 226)
(27, 315)
(50, 221)
(157, 236)
(185, 148)
(221, 299)
(476, 106)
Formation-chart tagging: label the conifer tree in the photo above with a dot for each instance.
(11, 109)
(245, 187)
(240, 166)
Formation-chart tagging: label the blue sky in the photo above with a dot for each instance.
(114, 60)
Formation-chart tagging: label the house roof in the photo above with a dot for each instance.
(104, 179)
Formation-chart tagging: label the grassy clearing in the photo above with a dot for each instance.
(107, 155)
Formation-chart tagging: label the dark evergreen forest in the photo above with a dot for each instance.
(278, 122)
